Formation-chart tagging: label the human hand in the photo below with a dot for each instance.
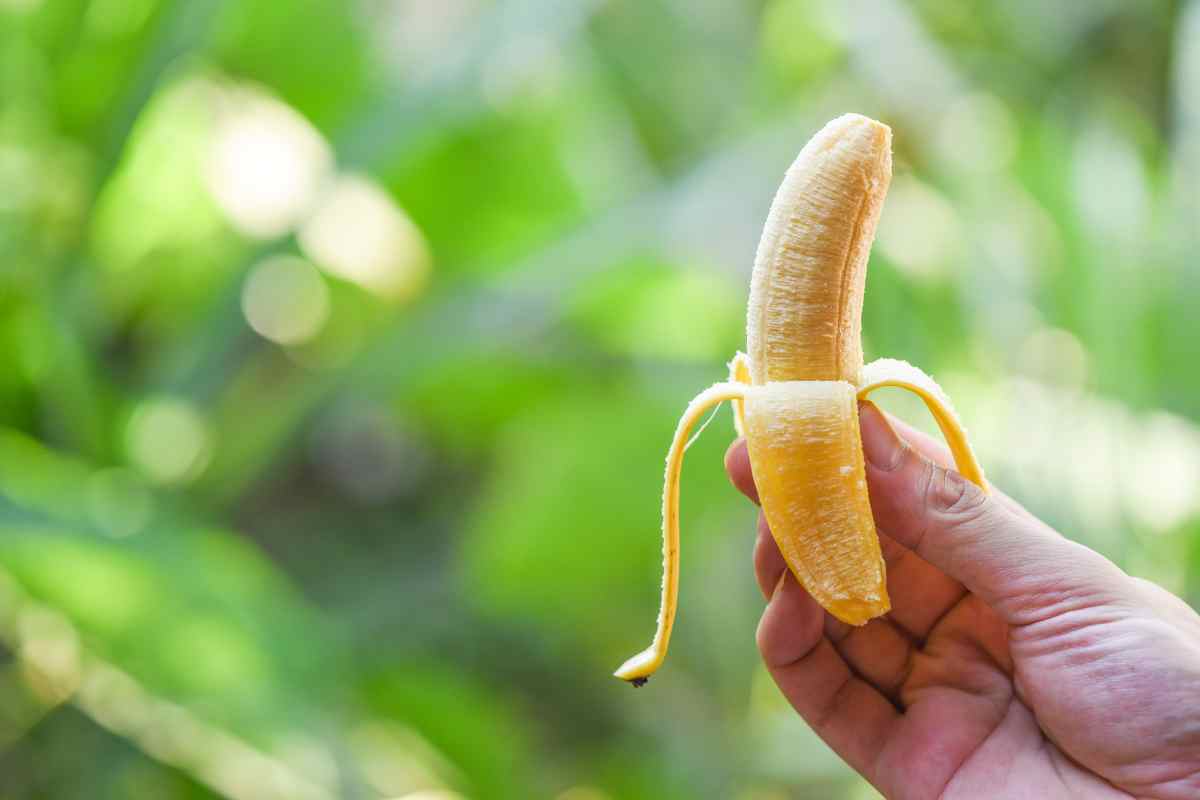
(1014, 663)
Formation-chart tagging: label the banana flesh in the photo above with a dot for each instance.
(805, 312)
(813, 489)
(795, 392)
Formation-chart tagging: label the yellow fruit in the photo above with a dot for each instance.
(795, 394)
(805, 312)
(808, 465)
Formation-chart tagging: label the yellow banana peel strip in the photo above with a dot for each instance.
(894, 372)
(739, 372)
(642, 665)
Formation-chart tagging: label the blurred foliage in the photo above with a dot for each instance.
(344, 342)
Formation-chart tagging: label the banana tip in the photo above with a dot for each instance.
(638, 669)
(880, 131)
(876, 137)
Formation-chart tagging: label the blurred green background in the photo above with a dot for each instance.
(343, 342)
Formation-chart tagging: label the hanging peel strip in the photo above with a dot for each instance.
(794, 396)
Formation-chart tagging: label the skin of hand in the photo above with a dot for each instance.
(1015, 663)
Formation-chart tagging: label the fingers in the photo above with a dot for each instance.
(769, 565)
(1015, 563)
(852, 718)
(921, 593)
(936, 451)
(879, 652)
(737, 464)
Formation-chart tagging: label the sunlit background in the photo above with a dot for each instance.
(343, 342)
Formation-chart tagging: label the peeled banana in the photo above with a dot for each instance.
(795, 392)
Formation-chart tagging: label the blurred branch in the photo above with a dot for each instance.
(79, 395)
(58, 667)
(20, 709)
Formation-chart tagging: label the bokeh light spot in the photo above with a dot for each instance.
(977, 134)
(49, 649)
(919, 230)
(1054, 356)
(266, 163)
(360, 235)
(285, 300)
(399, 763)
(1162, 472)
(168, 440)
(1109, 183)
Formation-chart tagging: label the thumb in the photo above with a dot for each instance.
(1013, 561)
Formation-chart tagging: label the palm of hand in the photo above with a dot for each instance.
(995, 701)
(970, 732)
(1031, 686)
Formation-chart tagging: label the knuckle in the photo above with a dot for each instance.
(926, 484)
(952, 497)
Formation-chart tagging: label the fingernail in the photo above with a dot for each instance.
(778, 586)
(951, 488)
(882, 447)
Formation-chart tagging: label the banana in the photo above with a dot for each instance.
(795, 391)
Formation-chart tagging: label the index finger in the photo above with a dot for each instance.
(737, 464)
